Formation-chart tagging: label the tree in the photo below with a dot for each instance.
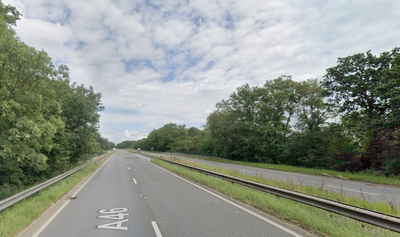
(29, 117)
(366, 88)
(251, 124)
(367, 85)
(80, 109)
(45, 122)
(312, 111)
(164, 138)
(281, 122)
(193, 131)
(9, 14)
(125, 144)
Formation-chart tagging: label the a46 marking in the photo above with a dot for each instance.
(114, 214)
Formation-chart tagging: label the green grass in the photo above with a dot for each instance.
(372, 178)
(315, 220)
(387, 208)
(20, 215)
(25, 187)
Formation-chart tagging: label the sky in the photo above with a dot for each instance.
(169, 61)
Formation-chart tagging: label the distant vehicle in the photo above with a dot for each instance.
(138, 149)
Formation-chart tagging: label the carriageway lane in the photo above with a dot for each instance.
(373, 192)
(132, 197)
(110, 188)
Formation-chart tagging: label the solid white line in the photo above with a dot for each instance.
(62, 207)
(234, 204)
(155, 227)
(352, 190)
(134, 180)
(50, 220)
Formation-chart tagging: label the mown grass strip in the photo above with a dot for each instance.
(374, 177)
(316, 220)
(390, 208)
(20, 215)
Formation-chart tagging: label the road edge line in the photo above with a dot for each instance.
(65, 204)
(234, 204)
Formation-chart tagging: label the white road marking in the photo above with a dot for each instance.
(113, 210)
(155, 227)
(129, 168)
(59, 210)
(114, 225)
(50, 220)
(118, 216)
(114, 214)
(234, 204)
(352, 190)
(246, 171)
(134, 180)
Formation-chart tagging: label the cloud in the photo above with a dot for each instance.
(32, 31)
(130, 134)
(159, 62)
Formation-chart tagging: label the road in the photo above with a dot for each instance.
(372, 192)
(129, 196)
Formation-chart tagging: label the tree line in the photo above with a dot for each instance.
(47, 123)
(350, 120)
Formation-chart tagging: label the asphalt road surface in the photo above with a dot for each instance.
(372, 192)
(129, 196)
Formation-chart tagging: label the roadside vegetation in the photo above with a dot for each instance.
(390, 208)
(347, 121)
(20, 215)
(48, 124)
(365, 176)
(315, 220)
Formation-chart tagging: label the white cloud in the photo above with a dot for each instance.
(159, 62)
(32, 31)
(173, 32)
(130, 134)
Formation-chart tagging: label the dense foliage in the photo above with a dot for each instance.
(124, 144)
(46, 123)
(366, 90)
(281, 122)
(173, 137)
(348, 121)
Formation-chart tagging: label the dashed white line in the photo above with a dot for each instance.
(134, 180)
(352, 190)
(129, 168)
(246, 171)
(155, 227)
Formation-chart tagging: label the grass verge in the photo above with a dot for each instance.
(55, 174)
(20, 215)
(376, 177)
(389, 208)
(315, 220)
(372, 178)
